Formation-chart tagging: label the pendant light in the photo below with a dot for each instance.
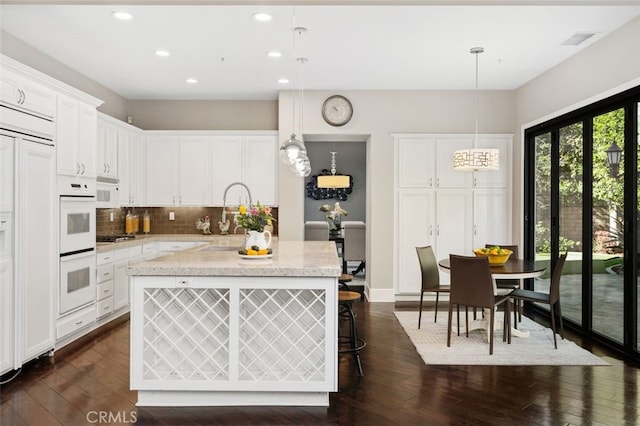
(333, 180)
(476, 159)
(292, 151)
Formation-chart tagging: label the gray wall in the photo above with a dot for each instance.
(351, 159)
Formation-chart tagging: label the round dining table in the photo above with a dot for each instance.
(513, 269)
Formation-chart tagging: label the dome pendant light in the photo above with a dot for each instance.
(476, 159)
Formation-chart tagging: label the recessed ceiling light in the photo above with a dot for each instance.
(191, 80)
(283, 81)
(262, 16)
(274, 54)
(162, 53)
(122, 15)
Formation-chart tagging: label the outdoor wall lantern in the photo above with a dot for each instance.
(614, 155)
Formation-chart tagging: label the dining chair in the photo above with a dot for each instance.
(430, 278)
(472, 286)
(354, 234)
(316, 231)
(510, 283)
(552, 298)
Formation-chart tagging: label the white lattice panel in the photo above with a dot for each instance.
(186, 334)
(282, 335)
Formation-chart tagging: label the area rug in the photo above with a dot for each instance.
(537, 349)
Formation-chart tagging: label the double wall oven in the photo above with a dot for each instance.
(77, 243)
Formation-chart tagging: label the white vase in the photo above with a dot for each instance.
(256, 238)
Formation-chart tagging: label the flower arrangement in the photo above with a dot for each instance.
(333, 216)
(254, 218)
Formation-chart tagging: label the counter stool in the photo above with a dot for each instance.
(351, 343)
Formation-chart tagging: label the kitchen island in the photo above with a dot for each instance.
(210, 328)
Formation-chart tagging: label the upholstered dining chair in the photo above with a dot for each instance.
(355, 243)
(316, 231)
(430, 278)
(552, 298)
(472, 286)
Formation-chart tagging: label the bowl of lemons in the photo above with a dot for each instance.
(495, 254)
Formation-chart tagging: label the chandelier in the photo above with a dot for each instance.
(476, 159)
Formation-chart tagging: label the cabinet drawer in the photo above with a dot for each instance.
(104, 307)
(105, 273)
(149, 248)
(104, 257)
(104, 290)
(134, 251)
(171, 246)
(76, 321)
(120, 254)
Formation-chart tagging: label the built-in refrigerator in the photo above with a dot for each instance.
(29, 286)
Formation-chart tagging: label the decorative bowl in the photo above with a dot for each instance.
(496, 257)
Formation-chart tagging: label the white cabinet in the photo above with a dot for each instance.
(120, 284)
(260, 168)
(107, 155)
(491, 217)
(22, 93)
(196, 184)
(6, 173)
(249, 159)
(7, 313)
(226, 165)
(427, 161)
(221, 340)
(76, 138)
(195, 169)
(36, 253)
(163, 170)
(137, 172)
(413, 230)
(124, 168)
(449, 210)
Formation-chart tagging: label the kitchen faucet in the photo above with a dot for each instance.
(224, 199)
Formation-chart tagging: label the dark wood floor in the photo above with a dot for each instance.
(80, 381)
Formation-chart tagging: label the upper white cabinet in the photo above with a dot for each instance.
(22, 93)
(107, 157)
(247, 159)
(163, 163)
(427, 161)
(76, 137)
(137, 169)
(194, 169)
(260, 166)
(196, 185)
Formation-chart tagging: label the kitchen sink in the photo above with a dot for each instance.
(220, 248)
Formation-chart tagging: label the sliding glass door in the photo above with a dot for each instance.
(581, 197)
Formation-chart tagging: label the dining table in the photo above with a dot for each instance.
(520, 269)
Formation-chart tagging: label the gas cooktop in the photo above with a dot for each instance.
(114, 238)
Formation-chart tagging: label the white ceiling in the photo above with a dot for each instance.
(353, 47)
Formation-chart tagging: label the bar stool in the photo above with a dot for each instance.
(350, 343)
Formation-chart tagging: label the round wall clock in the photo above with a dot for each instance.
(337, 110)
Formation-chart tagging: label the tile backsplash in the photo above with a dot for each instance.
(184, 223)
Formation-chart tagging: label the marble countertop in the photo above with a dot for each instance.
(290, 259)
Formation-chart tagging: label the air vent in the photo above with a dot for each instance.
(577, 38)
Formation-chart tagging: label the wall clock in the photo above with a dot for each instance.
(337, 110)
